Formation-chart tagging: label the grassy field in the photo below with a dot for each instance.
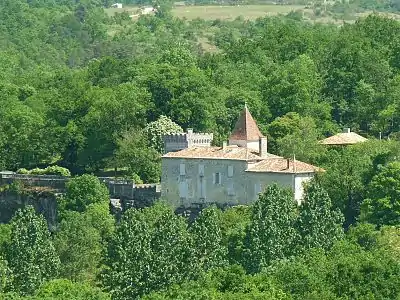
(220, 12)
(232, 12)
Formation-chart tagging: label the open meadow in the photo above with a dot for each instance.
(212, 12)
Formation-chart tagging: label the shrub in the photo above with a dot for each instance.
(22, 171)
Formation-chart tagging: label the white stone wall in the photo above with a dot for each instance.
(252, 145)
(182, 182)
(192, 188)
(299, 185)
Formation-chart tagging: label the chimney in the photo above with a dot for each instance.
(346, 130)
(288, 164)
(224, 145)
(263, 147)
(190, 130)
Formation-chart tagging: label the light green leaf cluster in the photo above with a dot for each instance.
(155, 131)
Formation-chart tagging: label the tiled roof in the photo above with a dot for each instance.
(271, 163)
(246, 128)
(282, 165)
(230, 152)
(347, 138)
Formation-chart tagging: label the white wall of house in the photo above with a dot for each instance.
(189, 182)
(300, 179)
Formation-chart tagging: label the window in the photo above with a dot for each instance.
(201, 170)
(217, 178)
(231, 190)
(230, 171)
(183, 193)
(182, 170)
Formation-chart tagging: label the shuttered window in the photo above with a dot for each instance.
(201, 170)
(217, 178)
(230, 171)
(182, 169)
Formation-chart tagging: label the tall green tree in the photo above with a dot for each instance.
(210, 252)
(150, 250)
(382, 207)
(30, 253)
(271, 234)
(134, 153)
(79, 247)
(318, 224)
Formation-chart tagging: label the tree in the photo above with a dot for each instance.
(382, 205)
(6, 276)
(292, 134)
(295, 86)
(318, 224)
(82, 191)
(79, 246)
(234, 222)
(150, 250)
(30, 253)
(347, 187)
(206, 231)
(271, 233)
(134, 153)
(155, 131)
(60, 289)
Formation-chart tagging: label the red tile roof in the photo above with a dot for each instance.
(246, 128)
(282, 165)
(230, 152)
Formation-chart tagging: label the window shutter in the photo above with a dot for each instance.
(201, 170)
(220, 178)
(230, 171)
(182, 169)
(213, 178)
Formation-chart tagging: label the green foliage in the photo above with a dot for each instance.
(78, 245)
(51, 170)
(271, 234)
(318, 224)
(292, 134)
(347, 186)
(30, 253)
(207, 236)
(155, 131)
(234, 222)
(134, 152)
(82, 191)
(227, 283)
(61, 289)
(382, 205)
(150, 250)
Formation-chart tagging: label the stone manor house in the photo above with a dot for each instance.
(194, 173)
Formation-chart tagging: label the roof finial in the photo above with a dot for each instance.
(245, 104)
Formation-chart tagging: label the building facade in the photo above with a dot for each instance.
(200, 174)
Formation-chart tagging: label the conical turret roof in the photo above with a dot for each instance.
(246, 128)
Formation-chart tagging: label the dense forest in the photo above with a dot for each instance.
(92, 92)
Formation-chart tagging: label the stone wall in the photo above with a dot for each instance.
(188, 182)
(43, 200)
(144, 195)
